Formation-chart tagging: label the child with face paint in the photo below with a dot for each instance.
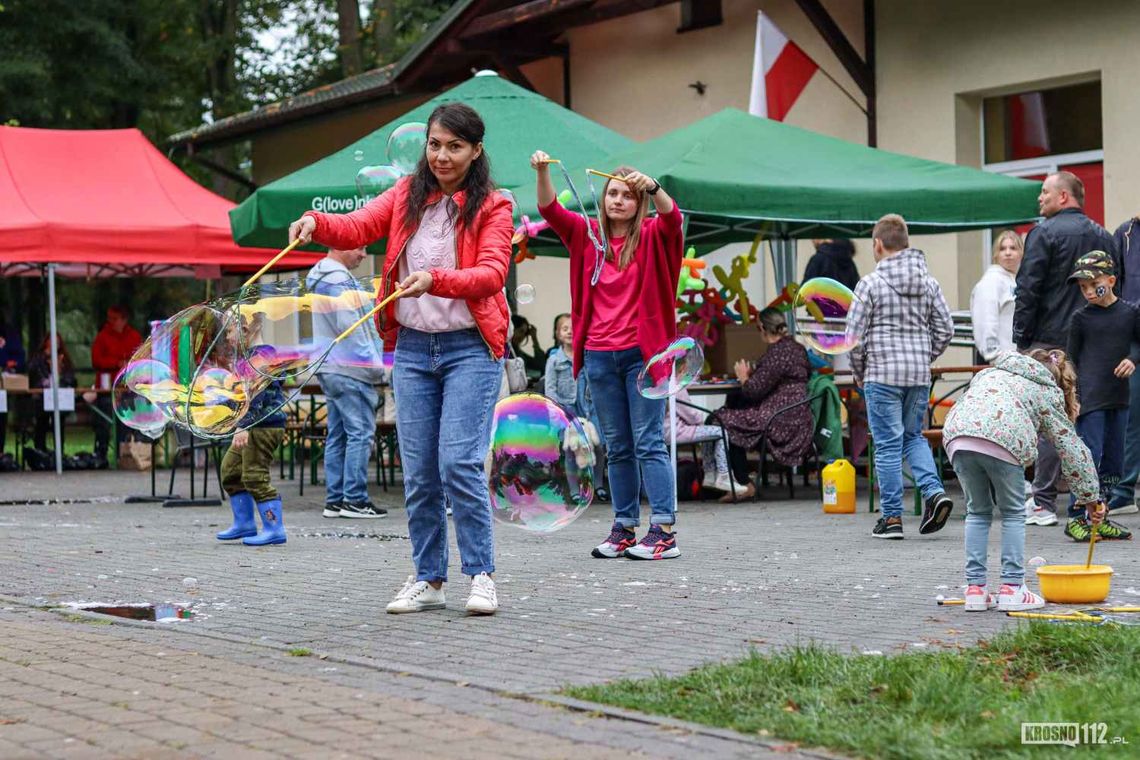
(1104, 344)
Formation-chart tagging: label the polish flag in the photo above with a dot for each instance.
(780, 72)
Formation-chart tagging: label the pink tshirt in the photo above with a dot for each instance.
(616, 300)
(980, 446)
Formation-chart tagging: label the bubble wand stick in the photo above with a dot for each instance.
(271, 262)
(395, 294)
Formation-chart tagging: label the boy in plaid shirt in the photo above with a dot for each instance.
(901, 323)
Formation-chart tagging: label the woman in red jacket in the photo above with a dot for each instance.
(449, 243)
(618, 324)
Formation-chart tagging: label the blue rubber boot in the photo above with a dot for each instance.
(272, 525)
(244, 525)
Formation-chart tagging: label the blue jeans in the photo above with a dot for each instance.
(896, 416)
(1103, 432)
(1125, 491)
(989, 482)
(446, 385)
(634, 438)
(351, 420)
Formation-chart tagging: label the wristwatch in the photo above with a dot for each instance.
(655, 188)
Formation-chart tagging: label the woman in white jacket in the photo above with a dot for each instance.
(991, 303)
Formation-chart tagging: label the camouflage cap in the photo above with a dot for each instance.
(1092, 265)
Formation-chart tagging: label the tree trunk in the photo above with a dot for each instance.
(384, 30)
(348, 27)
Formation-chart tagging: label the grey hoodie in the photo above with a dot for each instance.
(900, 321)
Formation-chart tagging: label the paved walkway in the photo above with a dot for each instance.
(760, 575)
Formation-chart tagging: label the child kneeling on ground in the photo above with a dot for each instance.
(991, 437)
(245, 472)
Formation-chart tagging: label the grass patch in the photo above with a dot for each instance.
(72, 618)
(942, 704)
(300, 652)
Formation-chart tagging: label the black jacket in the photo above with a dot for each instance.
(1046, 300)
(834, 260)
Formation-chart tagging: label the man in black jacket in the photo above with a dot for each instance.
(835, 259)
(1046, 301)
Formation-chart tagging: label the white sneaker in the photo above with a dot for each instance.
(416, 596)
(710, 480)
(979, 600)
(722, 483)
(1124, 509)
(1017, 598)
(482, 600)
(1039, 516)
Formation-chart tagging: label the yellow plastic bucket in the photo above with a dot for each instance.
(1074, 584)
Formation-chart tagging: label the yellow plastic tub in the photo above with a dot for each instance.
(1074, 584)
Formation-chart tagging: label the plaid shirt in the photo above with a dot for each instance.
(900, 321)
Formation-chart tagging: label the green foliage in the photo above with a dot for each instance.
(941, 704)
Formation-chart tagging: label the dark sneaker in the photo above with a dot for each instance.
(934, 514)
(1111, 531)
(1122, 507)
(620, 539)
(888, 527)
(332, 510)
(362, 509)
(1077, 528)
(657, 544)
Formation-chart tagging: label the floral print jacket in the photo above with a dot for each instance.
(1014, 403)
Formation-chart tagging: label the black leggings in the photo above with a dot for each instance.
(738, 463)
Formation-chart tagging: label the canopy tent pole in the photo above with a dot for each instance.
(54, 370)
(783, 251)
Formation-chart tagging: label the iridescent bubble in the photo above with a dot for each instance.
(374, 180)
(217, 402)
(671, 368)
(134, 409)
(542, 464)
(1037, 562)
(406, 146)
(524, 294)
(821, 312)
(358, 155)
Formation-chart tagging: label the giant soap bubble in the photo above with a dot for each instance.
(821, 314)
(542, 464)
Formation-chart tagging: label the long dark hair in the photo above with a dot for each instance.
(65, 355)
(465, 123)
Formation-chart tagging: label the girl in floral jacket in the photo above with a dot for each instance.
(991, 436)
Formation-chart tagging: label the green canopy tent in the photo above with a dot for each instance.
(737, 176)
(518, 122)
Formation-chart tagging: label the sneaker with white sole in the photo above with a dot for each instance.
(362, 510)
(710, 480)
(1039, 516)
(332, 510)
(482, 600)
(978, 599)
(416, 596)
(1128, 508)
(620, 539)
(722, 483)
(656, 544)
(1018, 598)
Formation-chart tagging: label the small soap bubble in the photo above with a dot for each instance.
(524, 294)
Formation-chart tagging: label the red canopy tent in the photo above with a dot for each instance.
(107, 203)
(111, 203)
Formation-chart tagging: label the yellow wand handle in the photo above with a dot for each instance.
(271, 262)
(395, 294)
(607, 176)
(1092, 541)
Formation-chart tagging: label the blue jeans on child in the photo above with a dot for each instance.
(895, 415)
(446, 385)
(1103, 432)
(632, 426)
(350, 415)
(989, 482)
(1124, 492)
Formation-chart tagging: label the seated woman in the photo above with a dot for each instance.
(777, 380)
(39, 376)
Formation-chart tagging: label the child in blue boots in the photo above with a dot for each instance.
(245, 472)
